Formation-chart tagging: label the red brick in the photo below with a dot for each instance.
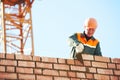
(61, 78)
(35, 67)
(105, 71)
(8, 62)
(26, 76)
(63, 73)
(78, 68)
(2, 68)
(48, 59)
(102, 59)
(23, 57)
(24, 70)
(50, 72)
(71, 74)
(117, 72)
(118, 66)
(101, 77)
(38, 71)
(41, 77)
(114, 78)
(61, 67)
(26, 64)
(61, 60)
(99, 64)
(89, 76)
(10, 69)
(77, 62)
(111, 65)
(87, 57)
(8, 76)
(92, 70)
(2, 55)
(80, 75)
(10, 56)
(75, 79)
(43, 65)
(70, 61)
(115, 60)
(36, 58)
(87, 63)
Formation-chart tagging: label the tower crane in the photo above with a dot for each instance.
(16, 31)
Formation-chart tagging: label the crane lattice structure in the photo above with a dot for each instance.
(16, 33)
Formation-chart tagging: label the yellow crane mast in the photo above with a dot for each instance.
(16, 32)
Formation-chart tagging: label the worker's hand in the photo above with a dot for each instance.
(79, 48)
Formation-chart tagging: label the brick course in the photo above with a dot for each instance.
(26, 67)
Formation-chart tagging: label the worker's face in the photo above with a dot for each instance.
(89, 31)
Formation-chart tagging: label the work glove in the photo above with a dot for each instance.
(79, 48)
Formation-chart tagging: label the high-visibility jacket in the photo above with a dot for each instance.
(92, 46)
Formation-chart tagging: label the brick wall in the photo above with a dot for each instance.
(24, 67)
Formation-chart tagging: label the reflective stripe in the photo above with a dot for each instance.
(90, 46)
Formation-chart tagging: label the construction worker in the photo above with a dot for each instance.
(85, 43)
